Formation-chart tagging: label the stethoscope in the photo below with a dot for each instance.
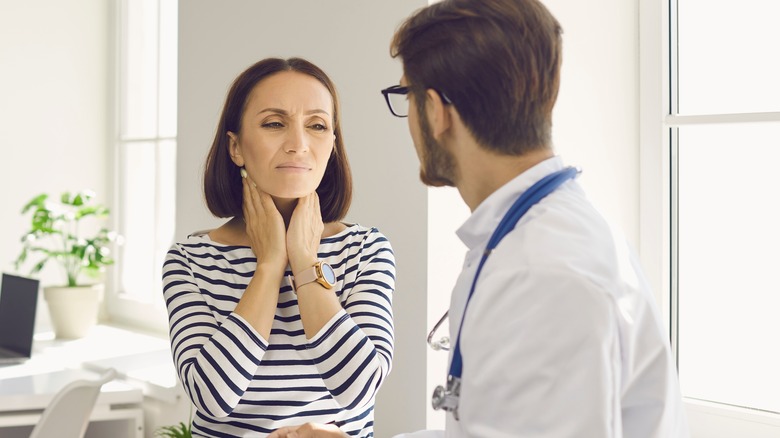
(448, 398)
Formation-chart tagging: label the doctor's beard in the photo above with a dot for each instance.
(437, 165)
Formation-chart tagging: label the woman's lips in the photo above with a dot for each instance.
(294, 167)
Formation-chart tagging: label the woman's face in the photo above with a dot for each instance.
(286, 135)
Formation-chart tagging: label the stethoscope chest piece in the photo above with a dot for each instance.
(447, 398)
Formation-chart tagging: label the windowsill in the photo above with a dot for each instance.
(140, 359)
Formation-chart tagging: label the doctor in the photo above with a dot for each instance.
(554, 330)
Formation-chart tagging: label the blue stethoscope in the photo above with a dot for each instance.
(448, 398)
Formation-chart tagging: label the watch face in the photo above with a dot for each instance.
(328, 273)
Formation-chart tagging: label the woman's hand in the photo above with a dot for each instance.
(309, 430)
(304, 233)
(265, 227)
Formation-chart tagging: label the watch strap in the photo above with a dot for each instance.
(306, 276)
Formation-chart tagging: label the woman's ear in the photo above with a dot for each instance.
(235, 149)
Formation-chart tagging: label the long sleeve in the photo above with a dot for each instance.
(354, 351)
(215, 360)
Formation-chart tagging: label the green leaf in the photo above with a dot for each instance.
(37, 201)
(21, 259)
(179, 431)
(38, 266)
(98, 211)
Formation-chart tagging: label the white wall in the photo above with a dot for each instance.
(350, 40)
(596, 119)
(53, 111)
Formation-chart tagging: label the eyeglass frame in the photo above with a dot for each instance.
(404, 90)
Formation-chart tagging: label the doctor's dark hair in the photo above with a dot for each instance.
(222, 179)
(498, 61)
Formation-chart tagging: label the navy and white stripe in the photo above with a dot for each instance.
(242, 384)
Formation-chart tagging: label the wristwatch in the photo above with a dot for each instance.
(321, 272)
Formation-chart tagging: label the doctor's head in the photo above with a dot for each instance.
(496, 63)
(280, 123)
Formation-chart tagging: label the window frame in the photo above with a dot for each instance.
(122, 308)
(658, 204)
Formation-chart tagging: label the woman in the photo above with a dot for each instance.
(282, 316)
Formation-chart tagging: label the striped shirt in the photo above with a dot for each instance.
(244, 385)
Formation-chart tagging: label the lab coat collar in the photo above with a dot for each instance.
(485, 219)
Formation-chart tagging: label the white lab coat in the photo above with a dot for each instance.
(562, 337)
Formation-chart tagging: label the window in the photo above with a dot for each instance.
(713, 155)
(145, 156)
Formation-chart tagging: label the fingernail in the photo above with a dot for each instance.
(243, 173)
(254, 185)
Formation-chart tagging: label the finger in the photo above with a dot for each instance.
(281, 433)
(255, 196)
(265, 201)
(311, 205)
(302, 206)
(247, 204)
(316, 200)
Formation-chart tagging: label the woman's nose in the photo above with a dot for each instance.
(296, 141)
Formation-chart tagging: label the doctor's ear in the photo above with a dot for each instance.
(234, 149)
(438, 112)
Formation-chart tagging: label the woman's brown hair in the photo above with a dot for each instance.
(222, 178)
(498, 61)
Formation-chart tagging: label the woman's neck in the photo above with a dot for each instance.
(286, 208)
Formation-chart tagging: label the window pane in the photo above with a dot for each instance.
(726, 59)
(137, 196)
(168, 66)
(729, 296)
(166, 202)
(138, 101)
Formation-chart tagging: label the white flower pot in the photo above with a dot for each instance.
(73, 310)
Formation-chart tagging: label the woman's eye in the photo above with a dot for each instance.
(273, 125)
(319, 127)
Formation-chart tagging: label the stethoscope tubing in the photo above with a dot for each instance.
(520, 207)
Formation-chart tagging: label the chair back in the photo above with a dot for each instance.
(67, 415)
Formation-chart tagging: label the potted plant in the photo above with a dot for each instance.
(56, 234)
(181, 430)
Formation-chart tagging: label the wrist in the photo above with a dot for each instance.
(270, 269)
(300, 264)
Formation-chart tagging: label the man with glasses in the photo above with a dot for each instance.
(554, 331)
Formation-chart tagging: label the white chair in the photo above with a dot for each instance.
(67, 415)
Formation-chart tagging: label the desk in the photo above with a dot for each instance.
(23, 399)
(142, 362)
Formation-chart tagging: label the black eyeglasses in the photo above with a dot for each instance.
(398, 103)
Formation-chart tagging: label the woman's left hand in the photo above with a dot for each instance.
(304, 233)
(309, 430)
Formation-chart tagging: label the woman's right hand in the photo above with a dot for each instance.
(265, 227)
(309, 430)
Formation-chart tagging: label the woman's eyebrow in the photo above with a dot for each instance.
(285, 113)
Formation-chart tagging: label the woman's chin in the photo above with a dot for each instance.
(288, 195)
